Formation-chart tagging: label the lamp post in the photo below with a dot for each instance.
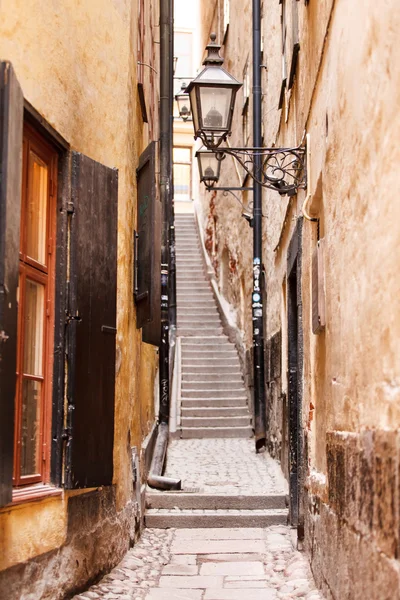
(212, 98)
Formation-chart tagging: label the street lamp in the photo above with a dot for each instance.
(212, 99)
(182, 101)
(209, 167)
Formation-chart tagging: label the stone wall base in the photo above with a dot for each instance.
(97, 538)
(352, 519)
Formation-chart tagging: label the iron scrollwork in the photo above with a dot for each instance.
(282, 169)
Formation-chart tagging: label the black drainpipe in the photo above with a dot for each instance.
(257, 296)
(155, 478)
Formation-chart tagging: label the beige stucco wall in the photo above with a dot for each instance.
(346, 95)
(76, 63)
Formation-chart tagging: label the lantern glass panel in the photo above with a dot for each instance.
(209, 165)
(215, 105)
(183, 105)
(195, 113)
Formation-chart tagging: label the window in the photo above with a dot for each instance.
(246, 100)
(182, 173)
(141, 31)
(227, 8)
(36, 310)
(183, 50)
(290, 39)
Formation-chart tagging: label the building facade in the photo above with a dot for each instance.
(330, 253)
(78, 108)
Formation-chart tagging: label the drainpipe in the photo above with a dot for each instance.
(257, 296)
(155, 478)
(172, 252)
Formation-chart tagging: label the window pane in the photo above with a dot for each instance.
(183, 50)
(37, 209)
(30, 423)
(182, 155)
(33, 328)
(182, 182)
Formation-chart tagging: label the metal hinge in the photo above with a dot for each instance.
(135, 264)
(69, 317)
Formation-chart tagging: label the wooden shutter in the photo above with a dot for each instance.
(11, 122)
(148, 259)
(92, 324)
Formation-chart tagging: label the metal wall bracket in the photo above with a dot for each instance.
(282, 169)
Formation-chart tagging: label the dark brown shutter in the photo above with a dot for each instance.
(148, 259)
(11, 124)
(92, 324)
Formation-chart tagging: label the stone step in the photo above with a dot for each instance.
(198, 305)
(214, 382)
(199, 318)
(191, 369)
(183, 246)
(200, 324)
(216, 376)
(209, 340)
(211, 412)
(211, 392)
(190, 519)
(190, 285)
(191, 267)
(193, 331)
(215, 354)
(241, 421)
(214, 402)
(209, 360)
(198, 500)
(190, 292)
(212, 352)
(203, 316)
(216, 432)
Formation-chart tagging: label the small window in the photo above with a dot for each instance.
(35, 314)
(227, 10)
(246, 100)
(182, 173)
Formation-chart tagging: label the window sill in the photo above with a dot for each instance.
(32, 493)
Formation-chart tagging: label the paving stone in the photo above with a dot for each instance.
(183, 559)
(175, 569)
(231, 557)
(171, 594)
(232, 568)
(195, 581)
(217, 546)
(220, 534)
(243, 584)
(247, 594)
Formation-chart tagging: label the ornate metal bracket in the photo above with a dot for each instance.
(282, 169)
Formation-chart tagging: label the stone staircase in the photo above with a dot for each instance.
(224, 483)
(213, 395)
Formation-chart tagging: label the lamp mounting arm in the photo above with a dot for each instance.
(282, 169)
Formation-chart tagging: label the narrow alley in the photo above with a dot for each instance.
(224, 535)
(199, 300)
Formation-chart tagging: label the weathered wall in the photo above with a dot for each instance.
(347, 96)
(76, 62)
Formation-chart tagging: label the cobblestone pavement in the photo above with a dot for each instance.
(210, 564)
(224, 466)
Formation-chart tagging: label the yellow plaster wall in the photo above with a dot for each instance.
(76, 63)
